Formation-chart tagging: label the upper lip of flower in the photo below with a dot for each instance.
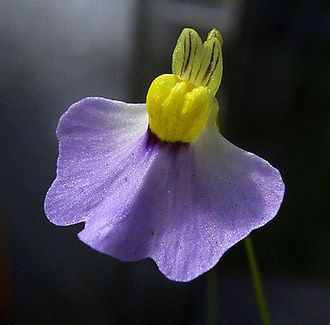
(179, 104)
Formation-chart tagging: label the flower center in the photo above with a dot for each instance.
(178, 109)
(179, 104)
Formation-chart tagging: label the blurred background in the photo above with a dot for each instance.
(274, 101)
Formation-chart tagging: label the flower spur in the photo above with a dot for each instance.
(158, 180)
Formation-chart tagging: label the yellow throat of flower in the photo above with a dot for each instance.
(179, 104)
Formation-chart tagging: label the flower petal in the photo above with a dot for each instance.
(182, 205)
(195, 202)
(250, 190)
(96, 136)
(153, 212)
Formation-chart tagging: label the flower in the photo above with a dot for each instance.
(159, 180)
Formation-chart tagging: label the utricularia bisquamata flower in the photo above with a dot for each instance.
(158, 180)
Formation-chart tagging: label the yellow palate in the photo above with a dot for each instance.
(178, 109)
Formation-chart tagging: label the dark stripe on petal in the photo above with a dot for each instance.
(209, 68)
(196, 47)
(184, 55)
(214, 68)
(189, 54)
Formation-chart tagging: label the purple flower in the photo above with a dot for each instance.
(144, 188)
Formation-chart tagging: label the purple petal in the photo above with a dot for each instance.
(96, 137)
(195, 202)
(182, 205)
